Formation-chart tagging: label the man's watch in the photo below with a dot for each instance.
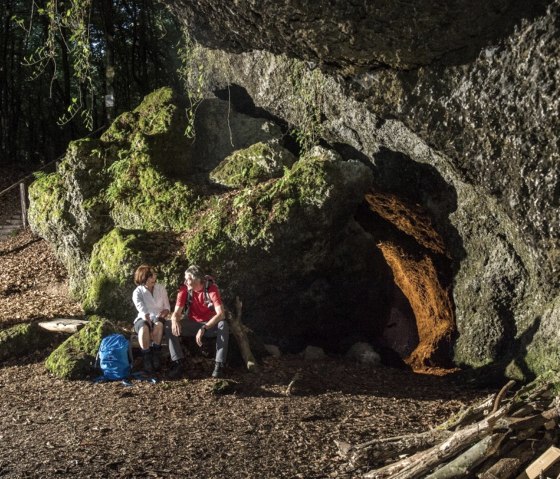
(203, 327)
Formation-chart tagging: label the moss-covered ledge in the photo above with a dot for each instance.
(252, 165)
(75, 357)
(22, 339)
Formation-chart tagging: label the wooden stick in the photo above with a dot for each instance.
(467, 415)
(378, 450)
(500, 396)
(238, 329)
(470, 459)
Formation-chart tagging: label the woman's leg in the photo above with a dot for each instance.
(144, 338)
(157, 334)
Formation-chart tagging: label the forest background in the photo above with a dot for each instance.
(68, 67)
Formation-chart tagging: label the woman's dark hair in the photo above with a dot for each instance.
(143, 273)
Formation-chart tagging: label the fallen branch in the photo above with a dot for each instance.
(297, 377)
(463, 464)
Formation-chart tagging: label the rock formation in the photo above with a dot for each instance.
(455, 109)
(438, 176)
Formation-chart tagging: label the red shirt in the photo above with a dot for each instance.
(198, 311)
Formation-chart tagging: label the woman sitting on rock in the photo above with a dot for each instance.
(152, 303)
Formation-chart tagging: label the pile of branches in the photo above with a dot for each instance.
(494, 439)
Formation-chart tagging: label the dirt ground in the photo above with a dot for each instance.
(55, 428)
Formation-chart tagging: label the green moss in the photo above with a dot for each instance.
(113, 262)
(121, 128)
(46, 203)
(155, 113)
(252, 165)
(249, 218)
(152, 117)
(22, 339)
(141, 197)
(75, 357)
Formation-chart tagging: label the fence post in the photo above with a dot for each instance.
(23, 201)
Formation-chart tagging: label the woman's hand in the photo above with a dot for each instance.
(163, 314)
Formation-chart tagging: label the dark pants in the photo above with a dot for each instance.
(190, 328)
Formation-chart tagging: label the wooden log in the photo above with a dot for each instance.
(238, 329)
(420, 463)
(462, 465)
(533, 422)
(63, 325)
(382, 449)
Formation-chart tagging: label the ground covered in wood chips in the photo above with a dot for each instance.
(55, 428)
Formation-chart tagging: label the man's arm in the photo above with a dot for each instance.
(220, 314)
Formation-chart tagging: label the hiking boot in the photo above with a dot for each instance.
(156, 357)
(177, 369)
(218, 370)
(147, 359)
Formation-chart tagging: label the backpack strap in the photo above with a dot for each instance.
(209, 281)
(207, 300)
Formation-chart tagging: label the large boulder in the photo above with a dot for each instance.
(275, 235)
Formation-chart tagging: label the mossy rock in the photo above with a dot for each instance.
(75, 357)
(259, 162)
(159, 121)
(140, 196)
(23, 339)
(113, 262)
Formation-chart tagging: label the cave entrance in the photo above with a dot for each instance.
(419, 323)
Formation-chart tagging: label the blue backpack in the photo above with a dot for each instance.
(114, 357)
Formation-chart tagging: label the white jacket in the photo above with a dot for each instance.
(148, 303)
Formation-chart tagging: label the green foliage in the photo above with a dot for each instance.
(192, 73)
(73, 17)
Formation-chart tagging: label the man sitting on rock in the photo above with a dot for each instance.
(204, 317)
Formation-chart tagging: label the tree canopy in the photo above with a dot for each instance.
(69, 66)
